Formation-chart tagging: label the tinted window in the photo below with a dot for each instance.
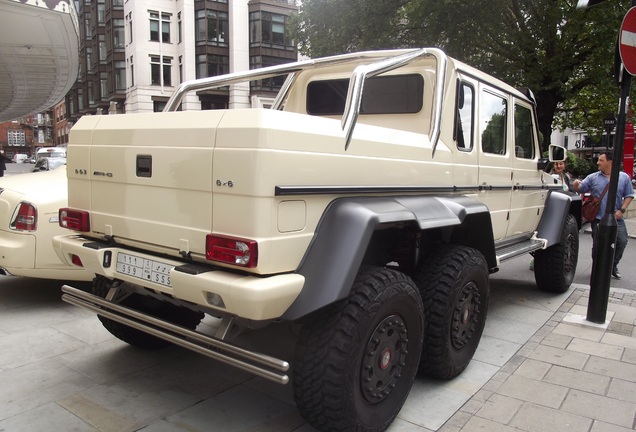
(524, 138)
(401, 94)
(465, 117)
(492, 119)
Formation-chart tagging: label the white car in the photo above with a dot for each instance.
(29, 206)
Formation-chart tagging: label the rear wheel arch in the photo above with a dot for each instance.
(353, 232)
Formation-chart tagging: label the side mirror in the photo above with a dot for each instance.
(557, 153)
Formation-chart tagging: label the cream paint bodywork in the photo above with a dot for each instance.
(217, 172)
(31, 253)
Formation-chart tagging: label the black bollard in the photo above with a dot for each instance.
(602, 262)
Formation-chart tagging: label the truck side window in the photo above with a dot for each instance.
(465, 116)
(492, 119)
(524, 138)
(393, 94)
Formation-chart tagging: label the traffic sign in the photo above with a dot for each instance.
(627, 41)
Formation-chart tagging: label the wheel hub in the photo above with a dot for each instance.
(465, 315)
(384, 358)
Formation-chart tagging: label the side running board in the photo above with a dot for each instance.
(508, 251)
(259, 364)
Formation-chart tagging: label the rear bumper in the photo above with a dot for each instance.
(251, 297)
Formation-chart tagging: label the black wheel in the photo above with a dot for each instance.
(356, 360)
(455, 287)
(554, 267)
(175, 314)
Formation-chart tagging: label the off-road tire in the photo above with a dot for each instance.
(356, 360)
(175, 314)
(554, 267)
(455, 287)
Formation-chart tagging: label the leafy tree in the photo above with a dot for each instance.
(563, 54)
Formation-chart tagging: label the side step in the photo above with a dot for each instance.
(256, 363)
(508, 250)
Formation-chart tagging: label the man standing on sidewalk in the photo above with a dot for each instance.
(596, 183)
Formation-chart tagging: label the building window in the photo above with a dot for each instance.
(102, 48)
(118, 3)
(156, 69)
(180, 69)
(212, 27)
(268, 29)
(158, 106)
(101, 12)
(274, 83)
(179, 29)
(132, 72)
(103, 85)
(87, 24)
(89, 59)
(80, 99)
(130, 27)
(16, 138)
(154, 26)
(156, 23)
(120, 75)
(212, 65)
(91, 95)
(118, 33)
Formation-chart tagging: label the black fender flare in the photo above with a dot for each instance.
(558, 205)
(344, 232)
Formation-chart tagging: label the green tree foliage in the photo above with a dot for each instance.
(563, 54)
(579, 167)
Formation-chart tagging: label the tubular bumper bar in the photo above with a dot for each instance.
(259, 364)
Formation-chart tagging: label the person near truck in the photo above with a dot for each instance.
(558, 171)
(3, 166)
(595, 184)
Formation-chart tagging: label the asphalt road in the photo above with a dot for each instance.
(15, 168)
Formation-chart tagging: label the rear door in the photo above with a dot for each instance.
(146, 178)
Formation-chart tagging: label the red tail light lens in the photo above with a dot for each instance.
(76, 260)
(77, 220)
(25, 218)
(231, 250)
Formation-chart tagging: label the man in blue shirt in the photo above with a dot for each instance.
(596, 183)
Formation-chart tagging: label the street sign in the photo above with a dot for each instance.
(610, 121)
(627, 41)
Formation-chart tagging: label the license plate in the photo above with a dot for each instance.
(142, 268)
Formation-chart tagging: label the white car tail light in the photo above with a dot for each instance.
(231, 250)
(25, 218)
(77, 220)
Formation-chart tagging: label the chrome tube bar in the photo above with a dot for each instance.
(197, 342)
(362, 72)
(263, 73)
(395, 59)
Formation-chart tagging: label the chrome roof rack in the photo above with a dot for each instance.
(390, 61)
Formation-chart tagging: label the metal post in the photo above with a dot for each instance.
(603, 258)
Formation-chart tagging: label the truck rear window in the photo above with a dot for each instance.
(396, 94)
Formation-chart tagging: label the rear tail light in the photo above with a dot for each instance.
(77, 220)
(231, 250)
(25, 218)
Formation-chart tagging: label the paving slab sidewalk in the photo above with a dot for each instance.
(571, 375)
